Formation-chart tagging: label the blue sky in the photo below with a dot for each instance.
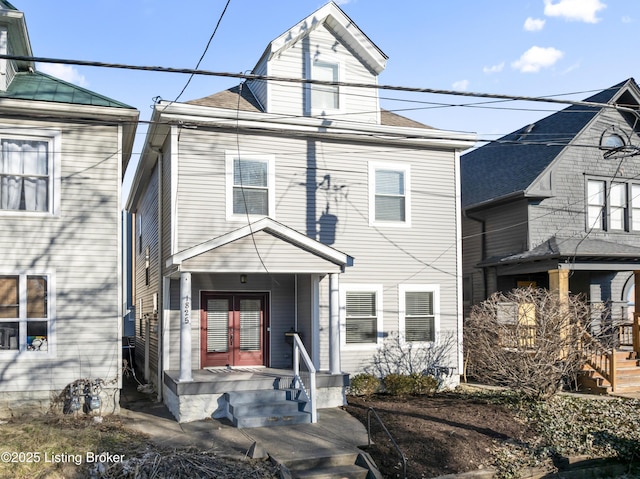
(523, 47)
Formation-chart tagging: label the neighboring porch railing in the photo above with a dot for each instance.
(602, 359)
(309, 389)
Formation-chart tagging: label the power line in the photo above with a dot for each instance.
(205, 51)
(253, 77)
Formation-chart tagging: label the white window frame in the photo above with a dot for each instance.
(406, 169)
(270, 160)
(596, 222)
(634, 207)
(323, 59)
(373, 288)
(53, 137)
(402, 308)
(618, 201)
(22, 319)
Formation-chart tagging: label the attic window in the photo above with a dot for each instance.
(325, 97)
(612, 138)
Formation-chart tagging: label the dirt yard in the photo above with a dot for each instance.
(439, 435)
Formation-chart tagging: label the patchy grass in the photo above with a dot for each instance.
(52, 445)
(63, 447)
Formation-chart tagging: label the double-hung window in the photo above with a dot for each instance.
(389, 194)
(362, 314)
(618, 206)
(325, 97)
(250, 185)
(635, 207)
(419, 312)
(26, 174)
(596, 195)
(25, 312)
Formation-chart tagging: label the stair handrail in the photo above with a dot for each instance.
(393, 441)
(299, 350)
(600, 358)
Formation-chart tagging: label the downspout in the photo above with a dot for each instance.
(160, 286)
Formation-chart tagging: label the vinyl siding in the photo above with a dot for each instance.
(147, 213)
(80, 247)
(384, 254)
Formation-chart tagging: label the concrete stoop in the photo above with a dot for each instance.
(338, 466)
(266, 407)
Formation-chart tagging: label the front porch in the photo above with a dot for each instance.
(203, 397)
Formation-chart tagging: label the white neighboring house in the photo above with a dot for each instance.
(63, 150)
(275, 207)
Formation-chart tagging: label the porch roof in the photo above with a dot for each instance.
(259, 245)
(570, 253)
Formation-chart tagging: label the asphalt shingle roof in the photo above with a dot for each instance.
(510, 164)
(228, 99)
(41, 87)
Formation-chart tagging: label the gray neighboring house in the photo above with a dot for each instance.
(556, 204)
(63, 150)
(276, 207)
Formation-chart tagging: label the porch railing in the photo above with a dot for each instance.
(309, 389)
(602, 359)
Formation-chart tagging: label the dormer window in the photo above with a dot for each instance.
(325, 97)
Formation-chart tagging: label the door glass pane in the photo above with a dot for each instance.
(250, 316)
(217, 325)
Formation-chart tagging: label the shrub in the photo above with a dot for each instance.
(409, 384)
(364, 385)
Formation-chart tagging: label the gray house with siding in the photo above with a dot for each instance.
(556, 204)
(278, 216)
(63, 150)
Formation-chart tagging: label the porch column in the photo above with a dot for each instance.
(559, 281)
(636, 312)
(185, 328)
(334, 324)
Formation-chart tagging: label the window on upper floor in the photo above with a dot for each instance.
(325, 97)
(419, 309)
(250, 185)
(26, 180)
(389, 197)
(613, 205)
(25, 312)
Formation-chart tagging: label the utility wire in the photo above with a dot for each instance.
(204, 52)
(253, 77)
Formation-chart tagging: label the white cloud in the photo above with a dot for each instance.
(64, 72)
(461, 85)
(575, 10)
(494, 68)
(536, 58)
(533, 24)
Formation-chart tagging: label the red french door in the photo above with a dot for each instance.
(233, 329)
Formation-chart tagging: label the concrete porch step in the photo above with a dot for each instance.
(337, 466)
(266, 407)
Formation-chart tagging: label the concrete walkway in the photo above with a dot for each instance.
(336, 432)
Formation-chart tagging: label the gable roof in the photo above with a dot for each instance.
(6, 5)
(272, 227)
(343, 28)
(39, 86)
(508, 166)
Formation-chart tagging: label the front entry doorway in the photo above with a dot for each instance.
(233, 329)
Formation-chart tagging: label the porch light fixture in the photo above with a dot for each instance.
(243, 278)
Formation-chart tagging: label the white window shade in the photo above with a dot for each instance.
(419, 316)
(361, 317)
(390, 195)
